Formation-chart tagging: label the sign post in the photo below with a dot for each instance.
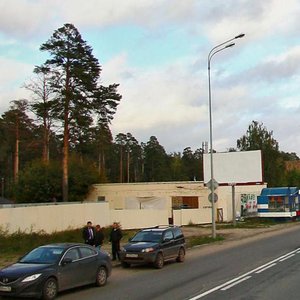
(233, 184)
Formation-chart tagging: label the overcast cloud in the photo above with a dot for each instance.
(157, 52)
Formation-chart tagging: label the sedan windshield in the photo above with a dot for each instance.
(43, 255)
(147, 236)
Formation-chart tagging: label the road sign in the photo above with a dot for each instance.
(213, 196)
(212, 184)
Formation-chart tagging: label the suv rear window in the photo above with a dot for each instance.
(169, 235)
(177, 233)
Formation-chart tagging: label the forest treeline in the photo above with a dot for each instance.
(57, 143)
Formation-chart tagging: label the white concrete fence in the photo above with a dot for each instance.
(62, 216)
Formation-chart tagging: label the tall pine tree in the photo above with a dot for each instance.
(77, 74)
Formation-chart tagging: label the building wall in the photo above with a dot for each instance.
(119, 194)
(61, 216)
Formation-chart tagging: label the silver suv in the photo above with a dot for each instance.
(154, 245)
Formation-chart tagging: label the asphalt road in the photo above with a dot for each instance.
(265, 268)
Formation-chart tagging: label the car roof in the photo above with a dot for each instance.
(64, 245)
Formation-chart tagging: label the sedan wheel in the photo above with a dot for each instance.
(50, 289)
(159, 261)
(181, 255)
(101, 277)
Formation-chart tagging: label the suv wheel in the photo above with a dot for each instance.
(159, 261)
(181, 255)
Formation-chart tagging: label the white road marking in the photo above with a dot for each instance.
(235, 283)
(246, 275)
(287, 257)
(261, 270)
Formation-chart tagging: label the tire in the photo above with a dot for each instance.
(125, 264)
(181, 255)
(50, 289)
(159, 261)
(101, 277)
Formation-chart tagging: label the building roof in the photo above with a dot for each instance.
(279, 191)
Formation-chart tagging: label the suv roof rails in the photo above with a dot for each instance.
(159, 227)
(165, 226)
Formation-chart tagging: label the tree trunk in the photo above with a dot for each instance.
(65, 184)
(65, 162)
(46, 144)
(46, 127)
(121, 165)
(128, 168)
(16, 156)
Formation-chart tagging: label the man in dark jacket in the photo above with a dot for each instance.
(99, 236)
(88, 233)
(115, 237)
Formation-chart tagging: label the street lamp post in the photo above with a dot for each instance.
(213, 51)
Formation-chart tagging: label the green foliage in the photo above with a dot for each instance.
(20, 242)
(75, 77)
(40, 182)
(292, 178)
(68, 97)
(258, 138)
(193, 163)
(156, 163)
(81, 176)
(249, 223)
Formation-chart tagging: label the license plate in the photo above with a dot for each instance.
(131, 255)
(5, 288)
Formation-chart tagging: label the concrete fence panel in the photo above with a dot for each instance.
(183, 217)
(139, 218)
(50, 218)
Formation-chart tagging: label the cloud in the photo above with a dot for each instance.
(162, 66)
(12, 77)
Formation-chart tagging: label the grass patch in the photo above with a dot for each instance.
(201, 240)
(250, 223)
(19, 243)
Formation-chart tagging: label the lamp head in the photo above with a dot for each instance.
(230, 45)
(239, 36)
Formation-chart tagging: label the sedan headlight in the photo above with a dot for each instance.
(148, 250)
(123, 249)
(31, 278)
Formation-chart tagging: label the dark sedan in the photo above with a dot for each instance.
(49, 269)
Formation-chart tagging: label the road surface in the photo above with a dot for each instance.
(255, 268)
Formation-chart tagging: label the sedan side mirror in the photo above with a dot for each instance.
(66, 261)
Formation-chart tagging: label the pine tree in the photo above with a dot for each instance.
(76, 74)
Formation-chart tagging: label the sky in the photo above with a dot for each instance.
(157, 50)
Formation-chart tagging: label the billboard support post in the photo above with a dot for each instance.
(233, 204)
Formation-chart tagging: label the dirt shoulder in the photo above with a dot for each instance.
(231, 234)
(232, 237)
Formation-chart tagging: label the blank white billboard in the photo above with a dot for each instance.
(234, 167)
